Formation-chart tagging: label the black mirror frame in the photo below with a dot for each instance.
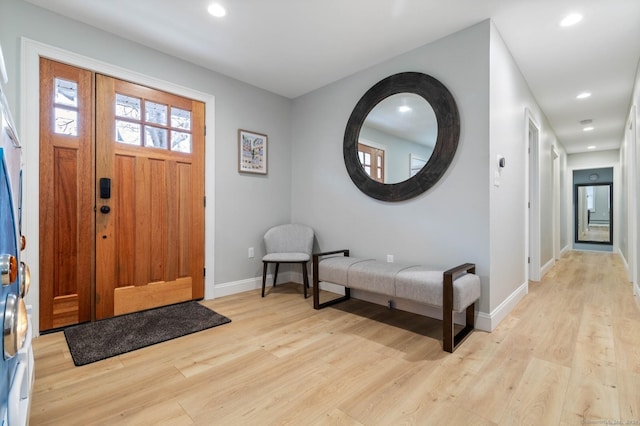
(448, 119)
(576, 187)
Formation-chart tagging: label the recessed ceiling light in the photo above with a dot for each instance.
(217, 10)
(404, 109)
(591, 147)
(583, 95)
(588, 129)
(571, 19)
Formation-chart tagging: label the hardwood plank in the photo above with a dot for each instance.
(335, 417)
(592, 394)
(444, 413)
(540, 396)
(170, 414)
(629, 389)
(626, 335)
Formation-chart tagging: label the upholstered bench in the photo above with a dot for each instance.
(455, 290)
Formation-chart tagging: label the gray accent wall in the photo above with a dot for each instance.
(447, 225)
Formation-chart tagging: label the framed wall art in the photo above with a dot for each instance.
(252, 152)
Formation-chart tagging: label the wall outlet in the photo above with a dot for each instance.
(390, 258)
(251, 252)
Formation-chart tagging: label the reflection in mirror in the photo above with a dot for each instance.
(446, 125)
(593, 213)
(397, 138)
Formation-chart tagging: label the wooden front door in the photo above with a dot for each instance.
(150, 224)
(121, 197)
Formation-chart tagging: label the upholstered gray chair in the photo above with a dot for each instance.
(291, 243)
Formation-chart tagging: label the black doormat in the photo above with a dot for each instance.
(95, 341)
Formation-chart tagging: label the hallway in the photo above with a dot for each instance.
(576, 340)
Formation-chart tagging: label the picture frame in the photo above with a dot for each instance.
(252, 152)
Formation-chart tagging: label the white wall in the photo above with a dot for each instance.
(635, 173)
(630, 158)
(623, 212)
(240, 207)
(565, 241)
(510, 98)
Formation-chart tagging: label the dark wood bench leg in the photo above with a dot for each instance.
(316, 282)
(451, 340)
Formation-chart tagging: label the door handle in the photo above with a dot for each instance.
(105, 209)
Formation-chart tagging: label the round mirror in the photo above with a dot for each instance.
(397, 138)
(401, 136)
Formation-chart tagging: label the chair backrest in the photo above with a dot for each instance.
(292, 238)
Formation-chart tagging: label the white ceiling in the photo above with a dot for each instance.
(292, 47)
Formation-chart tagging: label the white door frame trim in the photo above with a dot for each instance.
(633, 196)
(533, 197)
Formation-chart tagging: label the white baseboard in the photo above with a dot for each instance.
(490, 322)
(547, 267)
(565, 249)
(234, 287)
(624, 260)
(636, 291)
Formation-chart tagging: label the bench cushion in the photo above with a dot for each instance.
(375, 276)
(426, 286)
(334, 269)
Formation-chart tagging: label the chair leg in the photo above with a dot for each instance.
(275, 275)
(264, 276)
(305, 278)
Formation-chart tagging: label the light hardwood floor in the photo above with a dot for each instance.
(569, 354)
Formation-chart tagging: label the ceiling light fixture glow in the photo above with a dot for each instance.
(583, 95)
(588, 129)
(591, 147)
(571, 19)
(217, 10)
